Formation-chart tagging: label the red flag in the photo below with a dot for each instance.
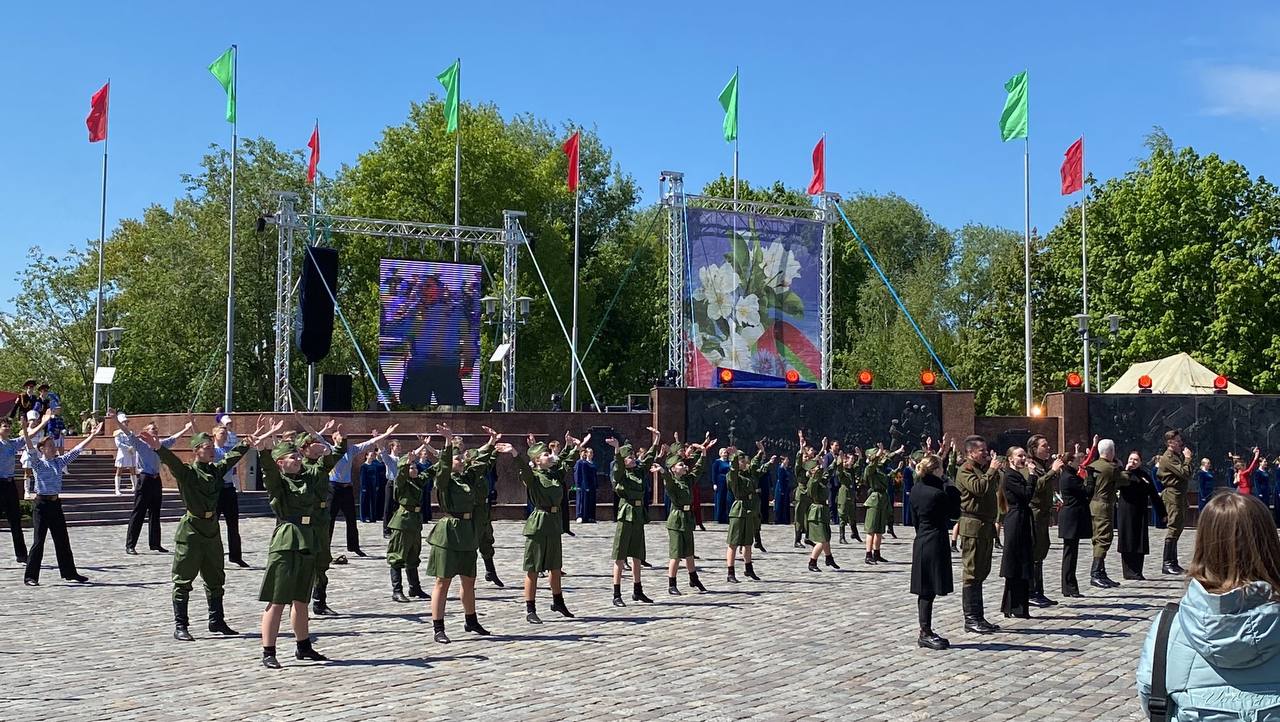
(314, 145)
(97, 120)
(571, 150)
(819, 182)
(1073, 168)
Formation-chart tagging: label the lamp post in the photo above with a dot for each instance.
(493, 315)
(109, 341)
(1098, 342)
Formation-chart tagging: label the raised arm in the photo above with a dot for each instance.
(97, 429)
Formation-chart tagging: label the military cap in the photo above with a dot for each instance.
(281, 450)
(200, 439)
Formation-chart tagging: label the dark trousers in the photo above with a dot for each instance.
(229, 510)
(344, 503)
(388, 508)
(47, 518)
(565, 516)
(368, 494)
(1070, 555)
(1017, 595)
(1131, 564)
(146, 508)
(13, 514)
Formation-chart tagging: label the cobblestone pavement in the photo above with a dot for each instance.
(840, 644)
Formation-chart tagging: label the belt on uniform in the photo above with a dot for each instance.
(411, 508)
(550, 509)
(638, 502)
(971, 515)
(686, 507)
(46, 497)
(303, 520)
(340, 483)
(206, 515)
(324, 504)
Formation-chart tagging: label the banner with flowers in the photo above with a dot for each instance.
(753, 295)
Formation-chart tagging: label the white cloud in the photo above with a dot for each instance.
(1241, 90)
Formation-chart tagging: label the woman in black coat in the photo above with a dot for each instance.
(1017, 565)
(934, 504)
(1075, 522)
(1132, 516)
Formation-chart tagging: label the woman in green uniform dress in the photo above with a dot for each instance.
(676, 478)
(877, 503)
(404, 546)
(847, 497)
(628, 535)
(290, 558)
(819, 517)
(800, 513)
(543, 477)
(744, 515)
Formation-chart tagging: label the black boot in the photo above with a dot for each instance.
(217, 618)
(531, 612)
(320, 599)
(751, 572)
(558, 605)
(415, 586)
(929, 640)
(842, 539)
(397, 586)
(880, 558)
(646, 564)
(307, 652)
(853, 533)
(798, 545)
(672, 589)
(1102, 574)
(491, 573)
(180, 621)
(732, 577)
(813, 565)
(438, 626)
(472, 624)
(617, 596)
(269, 658)
(1037, 596)
(695, 583)
(954, 547)
(871, 558)
(983, 624)
(890, 531)
(760, 544)
(637, 594)
(831, 562)
(1170, 565)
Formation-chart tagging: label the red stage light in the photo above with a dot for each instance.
(1144, 382)
(793, 377)
(1074, 381)
(726, 377)
(928, 378)
(865, 378)
(1220, 384)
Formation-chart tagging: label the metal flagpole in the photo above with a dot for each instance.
(102, 238)
(1026, 311)
(1084, 265)
(573, 341)
(457, 169)
(231, 249)
(311, 367)
(737, 89)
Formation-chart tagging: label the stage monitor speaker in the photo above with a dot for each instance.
(335, 392)
(315, 304)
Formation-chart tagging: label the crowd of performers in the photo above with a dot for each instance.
(961, 500)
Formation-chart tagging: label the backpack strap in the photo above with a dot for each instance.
(1158, 700)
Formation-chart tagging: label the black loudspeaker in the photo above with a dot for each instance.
(315, 304)
(335, 392)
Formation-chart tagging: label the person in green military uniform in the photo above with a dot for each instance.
(318, 459)
(847, 496)
(290, 556)
(818, 520)
(801, 502)
(628, 534)
(1041, 471)
(1173, 468)
(198, 539)
(404, 545)
(542, 474)
(878, 506)
(978, 480)
(744, 515)
(677, 475)
(1106, 477)
(479, 461)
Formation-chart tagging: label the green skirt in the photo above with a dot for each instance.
(445, 563)
(404, 548)
(819, 531)
(877, 518)
(628, 541)
(679, 544)
(742, 530)
(849, 513)
(542, 553)
(288, 577)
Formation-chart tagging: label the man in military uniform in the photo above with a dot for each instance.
(1041, 472)
(1173, 468)
(1107, 478)
(978, 480)
(198, 541)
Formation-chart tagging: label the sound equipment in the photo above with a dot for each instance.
(315, 304)
(335, 392)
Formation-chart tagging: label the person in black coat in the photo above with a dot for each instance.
(1132, 516)
(1017, 564)
(1075, 522)
(934, 504)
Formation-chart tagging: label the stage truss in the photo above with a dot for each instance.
(287, 219)
(675, 201)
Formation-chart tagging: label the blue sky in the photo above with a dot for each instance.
(908, 93)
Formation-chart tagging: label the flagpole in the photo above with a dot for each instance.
(311, 367)
(1084, 265)
(457, 171)
(102, 238)
(573, 362)
(1026, 311)
(736, 90)
(231, 247)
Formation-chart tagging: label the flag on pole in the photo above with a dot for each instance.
(224, 69)
(449, 79)
(571, 151)
(314, 145)
(819, 182)
(729, 101)
(97, 120)
(1013, 121)
(1073, 168)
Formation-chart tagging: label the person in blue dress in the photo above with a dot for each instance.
(373, 476)
(1262, 481)
(782, 492)
(719, 487)
(584, 484)
(424, 472)
(1205, 482)
(908, 478)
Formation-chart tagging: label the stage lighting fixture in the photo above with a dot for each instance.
(1075, 382)
(1220, 384)
(1144, 384)
(726, 378)
(865, 378)
(928, 378)
(793, 377)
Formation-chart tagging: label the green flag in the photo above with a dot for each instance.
(224, 69)
(449, 79)
(1013, 121)
(729, 101)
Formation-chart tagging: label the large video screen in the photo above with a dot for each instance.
(429, 332)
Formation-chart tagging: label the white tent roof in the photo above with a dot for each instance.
(1176, 374)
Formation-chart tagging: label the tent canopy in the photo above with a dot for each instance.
(1176, 374)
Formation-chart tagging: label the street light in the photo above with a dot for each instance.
(489, 304)
(522, 304)
(109, 341)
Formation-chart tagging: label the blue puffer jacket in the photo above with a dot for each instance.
(1224, 656)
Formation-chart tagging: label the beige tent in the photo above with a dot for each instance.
(1176, 374)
